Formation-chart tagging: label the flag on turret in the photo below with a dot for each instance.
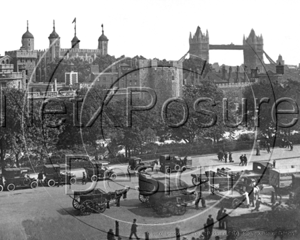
(74, 21)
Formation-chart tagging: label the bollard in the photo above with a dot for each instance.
(177, 230)
(146, 236)
(117, 229)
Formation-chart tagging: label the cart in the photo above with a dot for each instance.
(96, 200)
(232, 198)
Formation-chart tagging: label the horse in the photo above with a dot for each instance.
(281, 191)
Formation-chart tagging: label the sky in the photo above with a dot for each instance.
(156, 28)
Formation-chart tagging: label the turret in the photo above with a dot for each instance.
(27, 40)
(75, 41)
(199, 45)
(103, 43)
(54, 43)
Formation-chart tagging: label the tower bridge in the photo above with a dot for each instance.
(252, 48)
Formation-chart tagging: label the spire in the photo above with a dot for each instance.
(27, 25)
(206, 33)
(53, 25)
(102, 28)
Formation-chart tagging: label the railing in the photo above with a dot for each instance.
(233, 85)
(62, 94)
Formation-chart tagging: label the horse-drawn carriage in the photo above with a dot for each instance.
(96, 200)
(166, 195)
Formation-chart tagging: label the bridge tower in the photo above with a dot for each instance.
(199, 45)
(253, 51)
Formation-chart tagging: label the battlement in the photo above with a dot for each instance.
(81, 50)
(22, 53)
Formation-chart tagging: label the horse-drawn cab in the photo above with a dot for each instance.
(134, 163)
(14, 177)
(53, 175)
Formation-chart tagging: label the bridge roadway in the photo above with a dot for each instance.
(226, 47)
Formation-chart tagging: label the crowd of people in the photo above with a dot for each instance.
(223, 155)
(243, 160)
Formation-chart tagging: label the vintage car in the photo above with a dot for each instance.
(13, 177)
(171, 163)
(52, 175)
(97, 170)
(134, 163)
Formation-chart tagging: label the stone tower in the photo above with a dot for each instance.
(253, 51)
(102, 43)
(199, 45)
(54, 44)
(27, 40)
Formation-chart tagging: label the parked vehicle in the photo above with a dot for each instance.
(171, 163)
(53, 175)
(13, 177)
(99, 171)
(96, 200)
(134, 163)
(166, 196)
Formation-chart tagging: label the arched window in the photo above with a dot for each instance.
(7, 61)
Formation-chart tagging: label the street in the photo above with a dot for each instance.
(47, 213)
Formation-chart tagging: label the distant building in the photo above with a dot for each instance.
(55, 51)
(26, 57)
(10, 78)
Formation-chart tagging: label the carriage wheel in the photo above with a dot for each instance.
(11, 187)
(72, 181)
(101, 206)
(51, 183)
(195, 181)
(177, 167)
(33, 184)
(168, 170)
(76, 203)
(236, 203)
(1, 188)
(94, 178)
(87, 207)
(113, 176)
(183, 168)
(143, 198)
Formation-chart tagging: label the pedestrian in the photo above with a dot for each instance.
(205, 234)
(83, 178)
(247, 199)
(241, 160)
(279, 233)
(40, 178)
(225, 157)
(203, 202)
(219, 217)
(110, 235)
(257, 205)
(245, 160)
(224, 219)
(210, 225)
(291, 146)
(133, 229)
(198, 195)
(58, 178)
(251, 197)
(268, 147)
(230, 157)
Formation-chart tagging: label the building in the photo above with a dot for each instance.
(25, 58)
(55, 51)
(10, 78)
